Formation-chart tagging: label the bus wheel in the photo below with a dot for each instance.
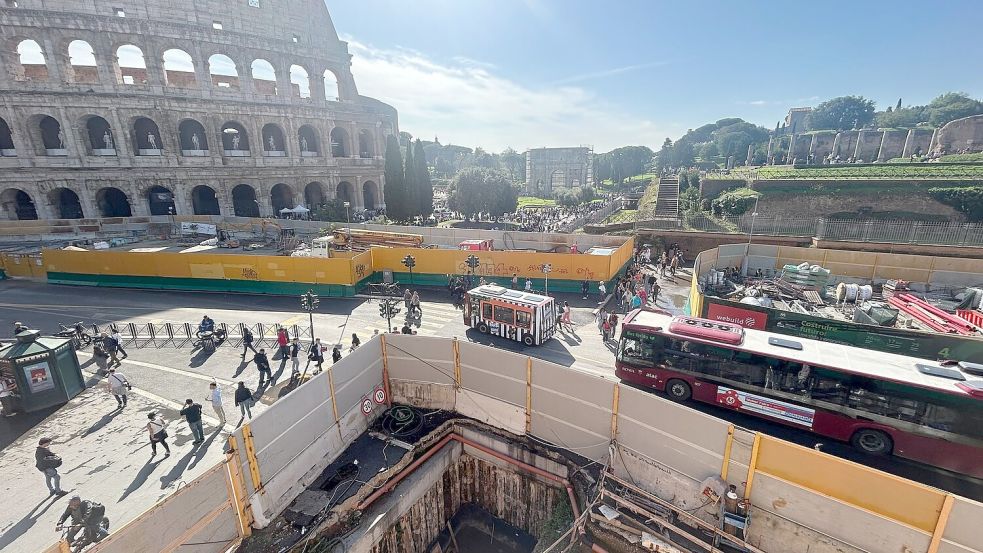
(872, 441)
(483, 328)
(528, 340)
(678, 390)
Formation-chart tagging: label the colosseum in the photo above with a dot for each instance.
(211, 107)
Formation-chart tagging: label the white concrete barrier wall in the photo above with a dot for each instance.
(298, 437)
(199, 513)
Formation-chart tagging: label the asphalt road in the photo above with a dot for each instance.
(174, 374)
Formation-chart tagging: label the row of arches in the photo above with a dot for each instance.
(110, 201)
(179, 70)
(49, 139)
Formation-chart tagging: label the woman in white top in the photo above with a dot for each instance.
(157, 428)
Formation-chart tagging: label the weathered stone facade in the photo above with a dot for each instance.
(959, 136)
(231, 107)
(551, 169)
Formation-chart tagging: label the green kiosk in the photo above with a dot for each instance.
(37, 372)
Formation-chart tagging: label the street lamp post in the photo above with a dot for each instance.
(547, 268)
(472, 262)
(409, 262)
(348, 215)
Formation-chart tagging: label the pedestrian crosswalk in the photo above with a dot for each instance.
(436, 316)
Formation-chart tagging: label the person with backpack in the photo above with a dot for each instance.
(118, 385)
(192, 414)
(336, 353)
(87, 515)
(247, 340)
(157, 428)
(263, 365)
(110, 345)
(244, 400)
(115, 335)
(315, 354)
(48, 463)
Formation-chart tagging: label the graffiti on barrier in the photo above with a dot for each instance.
(250, 273)
(360, 271)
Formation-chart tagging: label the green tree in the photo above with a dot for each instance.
(901, 117)
(514, 164)
(396, 197)
(951, 106)
(331, 210)
(842, 113)
(478, 189)
(424, 186)
(411, 199)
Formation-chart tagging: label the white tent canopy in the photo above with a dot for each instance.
(298, 209)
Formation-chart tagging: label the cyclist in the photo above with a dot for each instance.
(87, 515)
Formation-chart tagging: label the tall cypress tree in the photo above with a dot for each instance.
(424, 187)
(395, 188)
(409, 184)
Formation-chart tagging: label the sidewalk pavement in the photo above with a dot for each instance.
(106, 451)
(106, 458)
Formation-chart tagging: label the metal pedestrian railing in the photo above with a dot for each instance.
(182, 334)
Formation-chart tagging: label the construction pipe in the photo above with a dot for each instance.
(919, 314)
(962, 325)
(365, 503)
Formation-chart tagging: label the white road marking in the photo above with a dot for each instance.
(163, 401)
(191, 374)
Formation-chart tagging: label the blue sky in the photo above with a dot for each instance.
(532, 73)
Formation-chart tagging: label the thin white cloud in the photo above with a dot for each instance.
(608, 72)
(466, 103)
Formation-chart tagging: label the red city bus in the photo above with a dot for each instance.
(882, 403)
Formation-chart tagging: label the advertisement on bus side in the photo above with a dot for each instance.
(743, 401)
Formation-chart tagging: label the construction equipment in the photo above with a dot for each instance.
(361, 240)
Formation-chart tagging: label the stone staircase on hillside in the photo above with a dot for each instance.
(667, 200)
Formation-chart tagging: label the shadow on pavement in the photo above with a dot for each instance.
(106, 419)
(19, 528)
(141, 478)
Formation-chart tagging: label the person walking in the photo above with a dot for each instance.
(263, 365)
(584, 288)
(192, 414)
(602, 316)
(407, 299)
(635, 302)
(613, 321)
(567, 312)
(515, 281)
(119, 341)
(244, 401)
(247, 340)
(118, 385)
(528, 285)
(157, 428)
(48, 463)
(295, 356)
(215, 398)
(336, 352)
(415, 305)
(316, 354)
(355, 342)
(655, 292)
(674, 264)
(606, 330)
(602, 289)
(283, 340)
(110, 346)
